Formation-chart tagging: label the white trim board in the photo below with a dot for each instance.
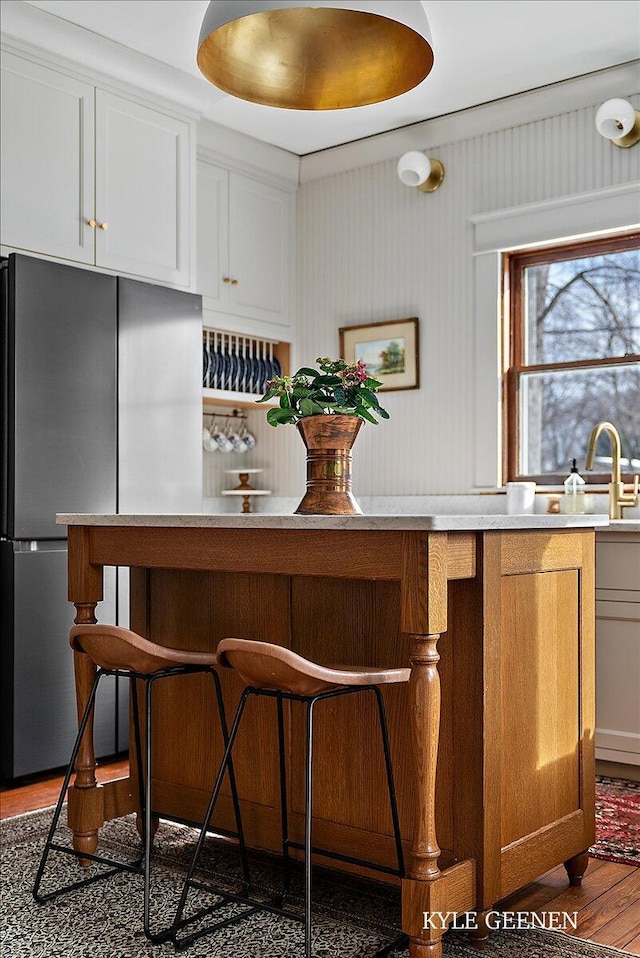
(611, 210)
(614, 209)
(517, 110)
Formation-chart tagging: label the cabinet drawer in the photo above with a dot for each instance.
(618, 565)
(626, 611)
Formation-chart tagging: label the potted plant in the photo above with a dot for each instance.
(328, 406)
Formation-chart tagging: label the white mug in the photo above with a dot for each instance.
(521, 497)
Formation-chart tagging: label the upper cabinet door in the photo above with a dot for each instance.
(245, 230)
(47, 161)
(260, 249)
(212, 232)
(142, 190)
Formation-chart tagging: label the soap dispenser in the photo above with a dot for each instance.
(573, 501)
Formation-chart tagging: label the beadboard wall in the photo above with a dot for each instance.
(370, 249)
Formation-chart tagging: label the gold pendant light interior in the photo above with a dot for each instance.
(315, 58)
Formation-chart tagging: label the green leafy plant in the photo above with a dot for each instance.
(336, 387)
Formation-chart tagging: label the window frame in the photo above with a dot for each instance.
(514, 264)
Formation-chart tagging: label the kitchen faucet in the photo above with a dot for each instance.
(618, 498)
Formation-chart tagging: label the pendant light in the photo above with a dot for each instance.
(312, 55)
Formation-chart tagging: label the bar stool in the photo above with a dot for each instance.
(276, 672)
(118, 651)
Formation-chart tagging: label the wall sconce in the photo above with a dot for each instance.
(417, 169)
(619, 122)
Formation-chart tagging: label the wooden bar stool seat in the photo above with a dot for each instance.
(276, 672)
(119, 651)
(265, 666)
(112, 647)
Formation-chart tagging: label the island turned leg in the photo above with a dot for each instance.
(424, 692)
(85, 810)
(576, 867)
(479, 936)
(81, 815)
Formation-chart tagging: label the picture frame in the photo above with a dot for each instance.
(389, 350)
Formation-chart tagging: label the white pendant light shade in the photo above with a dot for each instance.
(312, 55)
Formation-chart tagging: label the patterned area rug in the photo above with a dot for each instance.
(617, 821)
(103, 920)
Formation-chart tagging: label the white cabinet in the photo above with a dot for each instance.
(618, 647)
(142, 190)
(245, 231)
(58, 133)
(47, 161)
(212, 232)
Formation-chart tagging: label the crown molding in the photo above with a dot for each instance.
(31, 32)
(225, 147)
(552, 100)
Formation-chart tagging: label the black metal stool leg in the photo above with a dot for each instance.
(212, 802)
(384, 731)
(147, 803)
(271, 906)
(133, 686)
(146, 774)
(63, 791)
(284, 817)
(232, 782)
(308, 822)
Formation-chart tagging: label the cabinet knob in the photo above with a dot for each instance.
(103, 226)
(234, 282)
(226, 279)
(92, 224)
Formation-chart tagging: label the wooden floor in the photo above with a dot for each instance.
(607, 903)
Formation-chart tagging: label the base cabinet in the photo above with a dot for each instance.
(93, 177)
(491, 738)
(618, 647)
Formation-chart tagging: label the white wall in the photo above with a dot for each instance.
(372, 249)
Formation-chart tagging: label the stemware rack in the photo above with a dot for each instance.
(236, 367)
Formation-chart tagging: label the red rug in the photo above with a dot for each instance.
(617, 821)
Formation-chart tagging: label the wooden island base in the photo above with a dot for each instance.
(492, 742)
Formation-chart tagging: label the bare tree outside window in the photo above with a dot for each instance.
(574, 355)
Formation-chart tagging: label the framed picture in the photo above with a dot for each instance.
(389, 351)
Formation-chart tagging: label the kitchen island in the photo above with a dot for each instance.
(492, 740)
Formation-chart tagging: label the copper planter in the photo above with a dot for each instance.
(329, 440)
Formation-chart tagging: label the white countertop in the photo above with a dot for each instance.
(435, 523)
(622, 525)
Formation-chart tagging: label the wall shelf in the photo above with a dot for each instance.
(236, 400)
(235, 367)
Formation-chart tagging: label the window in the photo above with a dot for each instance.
(574, 357)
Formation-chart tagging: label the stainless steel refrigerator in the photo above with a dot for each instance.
(101, 412)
